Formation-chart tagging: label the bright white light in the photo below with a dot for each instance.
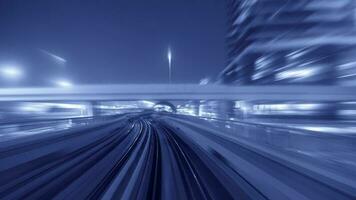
(204, 81)
(338, 130)
(64, 83)
(45, 107)
(169, 55)
(299, 73)
(147, 103)
(11, 72)
(307, 106)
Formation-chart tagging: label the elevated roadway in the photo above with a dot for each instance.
(179, 92)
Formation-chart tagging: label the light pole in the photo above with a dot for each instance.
(169, 56)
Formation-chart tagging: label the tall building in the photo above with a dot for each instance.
(290, 42)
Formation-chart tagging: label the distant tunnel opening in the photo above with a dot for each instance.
(165, 106)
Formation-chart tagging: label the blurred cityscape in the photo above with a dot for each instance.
(278, 121)
(290, 42)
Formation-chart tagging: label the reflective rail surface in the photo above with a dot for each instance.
(162, 156)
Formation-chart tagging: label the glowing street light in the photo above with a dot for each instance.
(11, 72)
(169, 56)
(64, 83)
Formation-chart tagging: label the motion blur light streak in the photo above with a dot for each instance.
(55, 57)
(262, 105)
(300, 73)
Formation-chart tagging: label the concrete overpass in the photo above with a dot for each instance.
(179, 92)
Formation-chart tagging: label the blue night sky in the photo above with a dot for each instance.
(112, 41)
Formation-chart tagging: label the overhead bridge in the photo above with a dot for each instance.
(179, 92)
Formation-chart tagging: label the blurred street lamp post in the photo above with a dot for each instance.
(169, 56)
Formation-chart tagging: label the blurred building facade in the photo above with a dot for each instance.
(308, 42)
